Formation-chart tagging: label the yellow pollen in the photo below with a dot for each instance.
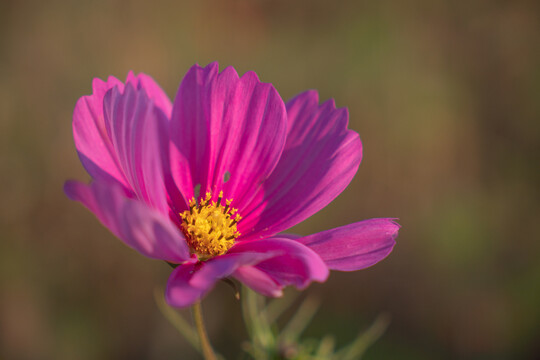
(210, 226)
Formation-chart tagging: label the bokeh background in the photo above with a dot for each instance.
(445, 96)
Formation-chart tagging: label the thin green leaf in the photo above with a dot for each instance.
(176, 320)
(262, 337)
(300, 320)
(358, 347)
(326, 348)
(277, 307)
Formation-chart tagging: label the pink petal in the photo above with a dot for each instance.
(258, 281)
(138, 133)
(266, 266)
(295, 264)
(92, 140)
(138, 226)
(355, 246)
(320, 158)
(190, 281)
(179, 292)
(89, 131)
(223, 127)
(153, 90)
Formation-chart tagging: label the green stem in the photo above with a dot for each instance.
(207, 351)
(257, 323)
(184, 327)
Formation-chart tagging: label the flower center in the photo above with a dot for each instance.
(209, 226)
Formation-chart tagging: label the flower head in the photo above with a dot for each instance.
(210, 181)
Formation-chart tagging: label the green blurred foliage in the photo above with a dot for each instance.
(446, 98)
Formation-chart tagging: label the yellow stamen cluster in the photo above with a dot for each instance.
(209, 226)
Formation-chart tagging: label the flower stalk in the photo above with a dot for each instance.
(206, 348)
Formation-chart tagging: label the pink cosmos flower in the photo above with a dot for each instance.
(209, 181)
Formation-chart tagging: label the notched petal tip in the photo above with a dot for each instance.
(394, 221)
(208, 71)
(214, 65)
(308, 98)
(252, 76)
(391, 226)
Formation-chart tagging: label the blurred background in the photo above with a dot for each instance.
(445, 96)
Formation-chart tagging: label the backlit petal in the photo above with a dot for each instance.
(258, 280)
(138, 132)
(320, 158)
(90, 134)
(355, 246)
(294, 264)
(137, 225)
(225, 128)
(92, 139)
(153, 90)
